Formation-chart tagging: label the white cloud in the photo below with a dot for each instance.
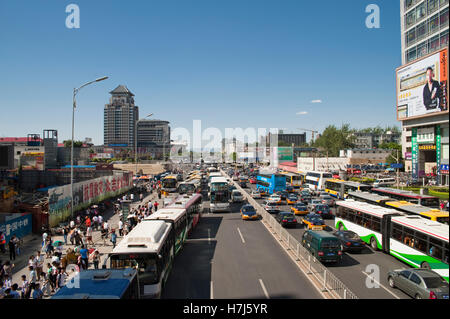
(316, 101)
(302, 113)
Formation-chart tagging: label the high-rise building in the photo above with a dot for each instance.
(120, 117)
(425, 126)
(153, 137)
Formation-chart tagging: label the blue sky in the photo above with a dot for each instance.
(233, 63)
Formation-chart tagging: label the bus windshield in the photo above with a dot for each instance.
(148, 271)
(430, 202)
(170, 182)
(443, 220)
(184, 188)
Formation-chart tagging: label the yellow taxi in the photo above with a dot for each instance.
(292, 199)
(248, 212)
(275, 199)
(299, 209)
(314, 222)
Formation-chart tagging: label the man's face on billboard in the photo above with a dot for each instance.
(430, 75)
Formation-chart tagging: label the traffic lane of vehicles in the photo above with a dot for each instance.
(246, 255)
(354, 266)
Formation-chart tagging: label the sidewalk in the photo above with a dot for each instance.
(33, 243)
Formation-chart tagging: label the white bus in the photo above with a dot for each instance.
(412, 239)
(179, 220)
(219, 195)
(315, 181)
(150, 246)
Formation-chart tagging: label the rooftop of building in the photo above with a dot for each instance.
(121, 89)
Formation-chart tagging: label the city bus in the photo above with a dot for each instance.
(193, 206)
(295, 180)
(424, 211)
(101, 284)
(178, 218)
(189, 187)
(412, 239)
(149, 246)
(212, 175)
(270, 184)
(315, 181)
(370, 198)
(169, 184)
(219, 195)
(339, 188)
(402, 195)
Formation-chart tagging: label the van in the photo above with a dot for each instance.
(383, 182)
(322, 245)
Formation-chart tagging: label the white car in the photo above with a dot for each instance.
(256, 194)
(274, 198)
(236, 196)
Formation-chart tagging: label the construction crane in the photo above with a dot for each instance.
(312, 131)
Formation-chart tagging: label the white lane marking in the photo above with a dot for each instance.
(211, 290)
(381, 285)
(242, 237)
(264, 288)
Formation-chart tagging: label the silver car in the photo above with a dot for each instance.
(419, 283)
(313, 203)
(327, 200)
(256, 194)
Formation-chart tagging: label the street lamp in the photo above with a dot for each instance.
(75, 92)
(135, 141)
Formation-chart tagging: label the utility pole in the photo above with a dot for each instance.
(397, 160)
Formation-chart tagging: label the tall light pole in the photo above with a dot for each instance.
(75, 92)
(135, 141)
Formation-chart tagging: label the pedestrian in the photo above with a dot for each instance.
(113, 238)
(95, 222)
(442, 205)
(44, 239)
(120, 228)
(12, 248)
(89, 236)
(96, 259)
(132, 197)
(100, 219)
(7, 273)
(65, 234)
(141, 197)
(72, 237)
(2, 290)
(39, 264)
(2, 242)
(84, 257)
(156, 206)
(33, 275)
(17, 244)
(32, 261)
(14, 293)
(61, 278)
(25, 288)
(159, 194)
(88, 222)
(37, 292)
(72, 224)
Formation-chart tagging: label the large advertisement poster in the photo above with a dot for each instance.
(415, 154)
(84, 194)
(422, 87)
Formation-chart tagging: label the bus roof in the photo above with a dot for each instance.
(170, 177)
(335, 180)
(369, 196)
(99, 284)
(368, 208)
(289, 174)
(167, 214)
(219, 180)
(417, 209)
(356, 184)
(430, 227)
(184, 201)
(402, 192)
(144, 237)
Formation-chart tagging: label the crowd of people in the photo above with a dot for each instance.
(44, 279)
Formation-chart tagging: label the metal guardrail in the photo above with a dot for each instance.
(330, 283)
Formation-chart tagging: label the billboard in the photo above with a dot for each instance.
(422, 87)
(101, 155)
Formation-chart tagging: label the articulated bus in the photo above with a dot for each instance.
(370, 198)
(219, 193)
(270, 184)
(316, 180)
(178, 218)
(398, 194)
(193, 206)
(424, 211)
(169, 184)
(102, 284)
(339, 188)
(150, 246)
(295, 180)
(412, 239)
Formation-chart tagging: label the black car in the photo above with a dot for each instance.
(322, 210)
(283, 195)
(350, 241)
(305, 199)
(243, 184)
(286, 219)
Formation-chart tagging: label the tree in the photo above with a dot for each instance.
(333, 140)
(396, 149)
(68, 143)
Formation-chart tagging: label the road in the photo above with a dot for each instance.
(226, 257)
(354, 266)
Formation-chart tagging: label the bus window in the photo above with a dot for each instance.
(420, 242)
(435, 249)
(443, 220)
(376, 224)
(397, 232)
(408, 238)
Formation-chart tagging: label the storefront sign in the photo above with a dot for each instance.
(427, 147)
(19, 225)
(438, 152)
(415, 154)
(408, 155)
(443, 169)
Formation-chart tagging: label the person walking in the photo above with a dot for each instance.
(89, 236)
(25, 288)
(156, 206)
(7, 273)
(33, 276)
(96, 259)
(39, 264)
(120, 228)
(113, 238)
(65, 234)
(95, 222)
(12, 248)
(37, 292)
(84, 257)
(61, 278)
(2, 242)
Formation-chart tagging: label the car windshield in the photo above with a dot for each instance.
(322, 208)
(271, 204)
(248, 209)
(237, 193)
(435, 282)
(287, 215)
(351, 235)
(330, 243)
(300, 206)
